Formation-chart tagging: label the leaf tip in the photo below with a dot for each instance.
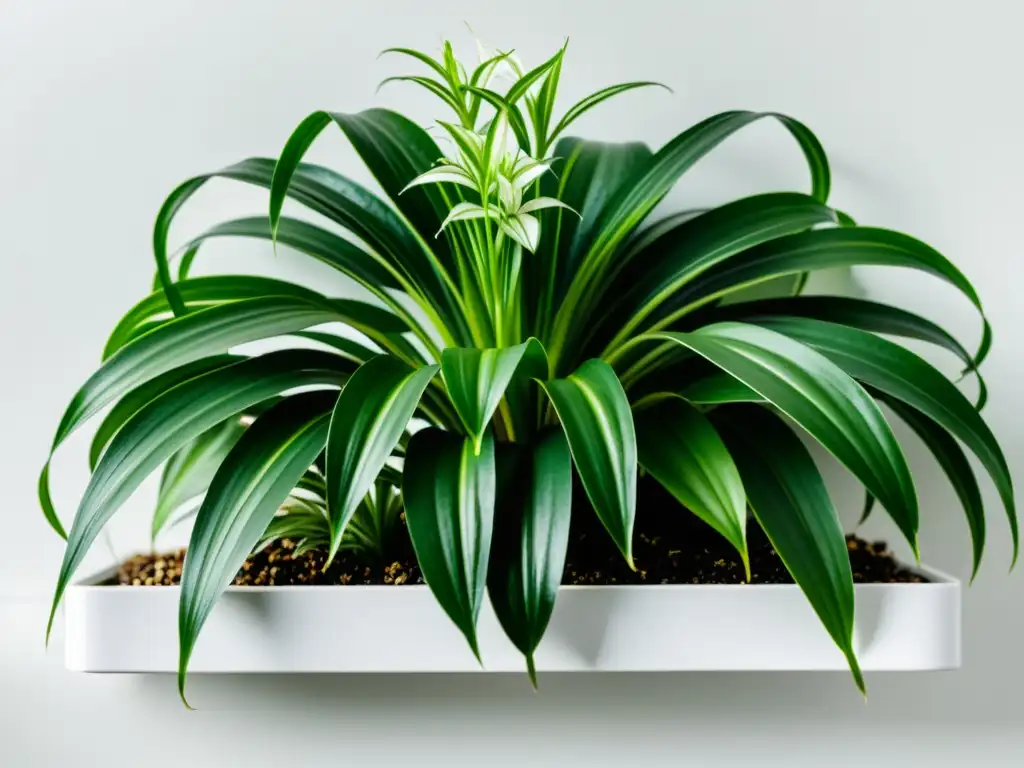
(531, 670)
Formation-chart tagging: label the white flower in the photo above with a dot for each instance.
(485, 164)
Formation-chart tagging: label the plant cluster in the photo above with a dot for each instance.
(531, 322)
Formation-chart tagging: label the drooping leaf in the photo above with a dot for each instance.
(816, 250)
(900, 373)
(175, 418)
(253, 481)
(188, 473)
(476, 380)
(369, 419)
(532, 534)
(790, 501)
(662, 265)
(644, 188)
(594, 412)
(954, 463)
(130, 404)
(199, 293)
(820, 397)
(347, 257)
(678, 446)
(396, 151)
(449, 494)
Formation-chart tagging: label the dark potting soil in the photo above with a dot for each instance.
(670, 547)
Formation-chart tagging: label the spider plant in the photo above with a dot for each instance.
(530, 322)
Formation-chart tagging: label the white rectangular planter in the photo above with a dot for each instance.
(594, 628)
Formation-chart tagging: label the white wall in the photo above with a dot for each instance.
(107, 104)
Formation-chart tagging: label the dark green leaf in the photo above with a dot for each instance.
(476, 379)
(789, 500)
(595, 415)
(449, 496)
(188, 473)
(253, 482)
(820, 397)
(954, 463)
(369, 419)
(678, 446)
(532, 524)
(175, 418)
(900, 373)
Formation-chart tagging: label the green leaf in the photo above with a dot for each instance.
(790, 501)
(954, 463)
(363, 266)
(816, 250)
(585, 181)
(325, 192)
(369, 419)
(857, 313)
(199, 293)
(595, 415)
(820, 397)
(449, 496)
(589, 102)
(130, 404)
(678, 446)
(396, 151)
(524, 83)
(658, 267)
(188, 473)
(900, 373)
(476, 380)
(169, 422)
(252, 483)
(532, 524)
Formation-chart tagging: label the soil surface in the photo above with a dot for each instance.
(672, 548)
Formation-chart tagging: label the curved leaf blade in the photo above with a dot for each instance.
(252, 483)
(449, 494)
(476, 380)
(189, 472)
(532, 527)
(680, 448)
(790, 501)
(900, 373)
(954, 463)
(595, 414)
(369, 419)
(820, 397)
(175, 418)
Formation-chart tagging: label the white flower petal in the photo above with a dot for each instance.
(507, 195)
(540, 203)
(463, 212)
(527, 173)
(524, 229)
(452, 174)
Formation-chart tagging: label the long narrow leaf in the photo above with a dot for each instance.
(369, 419)
(820, 397)
(253, 482)
(790, 501)
(169, 422)
(595, 414)
(900, 373)
(476, 380)
(954, 463)
(532, 533)
(449, 494)
(678, 446)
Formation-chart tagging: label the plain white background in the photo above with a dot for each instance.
(107, 105)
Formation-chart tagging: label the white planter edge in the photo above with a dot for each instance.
(400, 629)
